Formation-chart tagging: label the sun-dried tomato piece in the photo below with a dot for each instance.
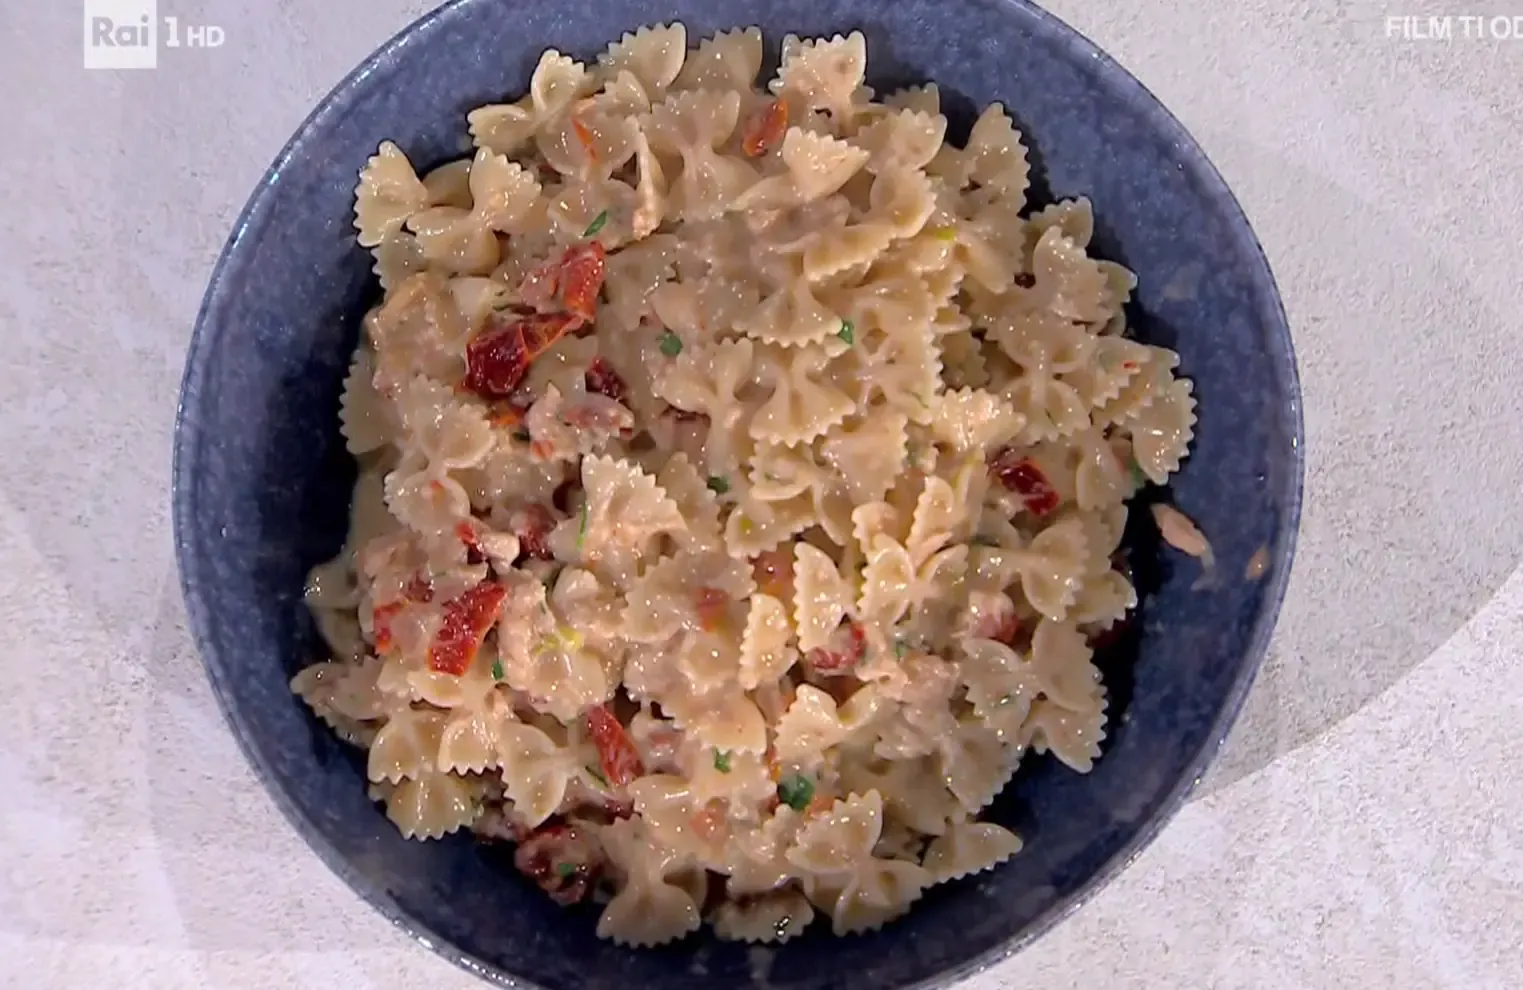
(847, 648)
(765, 129)
(563, 860)
(712, 606)
(466, 622)
(532, 525)
(583, 267)
(602, 379)
(466, 534)
(1021, 475)
(498, 357)
(617, 755)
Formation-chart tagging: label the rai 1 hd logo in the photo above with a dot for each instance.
(127, 34)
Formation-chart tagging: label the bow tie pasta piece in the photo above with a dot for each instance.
(577, 203)
(1150, 373)
(976, 764)
(1074, 218)
(765, 650)
(975, 421)
(823, 596)
(877, 893)
(1001, 685)
(698, 503)
(503, 193)
(792, 317)
(994, 157)
(623, 512)
(803, 403)
(867, 452)
(367, 421)
(653, 55)
(451, 431)
(968, 848)
(1074, 737)
(558, 81)
(725, 721)
(1052, 567)
(706, 379)
(432, 805)
(407, 745)
(815, 166)
(903, 201)
(687, 592)
(729, 60)
(691, 126)
(821, 74)
(781, 475)
(1161, 431)
(418, 329)
(840, 840)
(389, 192)
(648, 910)
(344, 695)
(903, 143)
(535, 770)
(900, 577)
(1067, 283)
(922, 99)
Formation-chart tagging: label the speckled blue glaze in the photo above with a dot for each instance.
(261, 479)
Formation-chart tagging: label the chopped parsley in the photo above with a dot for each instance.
(985, 541)
(522, 436)
(596, 774)
(597, 224)
(722, 760)
(718, 485)
(671, 344)
(565, 870)
(497, 673)
(848, 332)
(1139, 479)
(900, 649)
(581, 533)
(796, 791)
(947, 233)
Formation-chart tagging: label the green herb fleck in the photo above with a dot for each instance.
(565, 870)
(1139, 480)
(900, 649)
(522, 436)
(796, 791)
(497, 673)
(947, 233)
(596, 775)
(722, 760)
(597, 224)
(581, 533)
(985, 541)
(848, 332)
(718, 485)
(671, 344)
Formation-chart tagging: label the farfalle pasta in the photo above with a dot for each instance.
(743, 468)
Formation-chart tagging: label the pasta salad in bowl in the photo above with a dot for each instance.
(744, 468)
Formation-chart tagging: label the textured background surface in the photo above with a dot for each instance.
(1361, 829)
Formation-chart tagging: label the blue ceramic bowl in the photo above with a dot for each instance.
(261, 479)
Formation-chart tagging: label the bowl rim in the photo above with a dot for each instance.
(1048, 29)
